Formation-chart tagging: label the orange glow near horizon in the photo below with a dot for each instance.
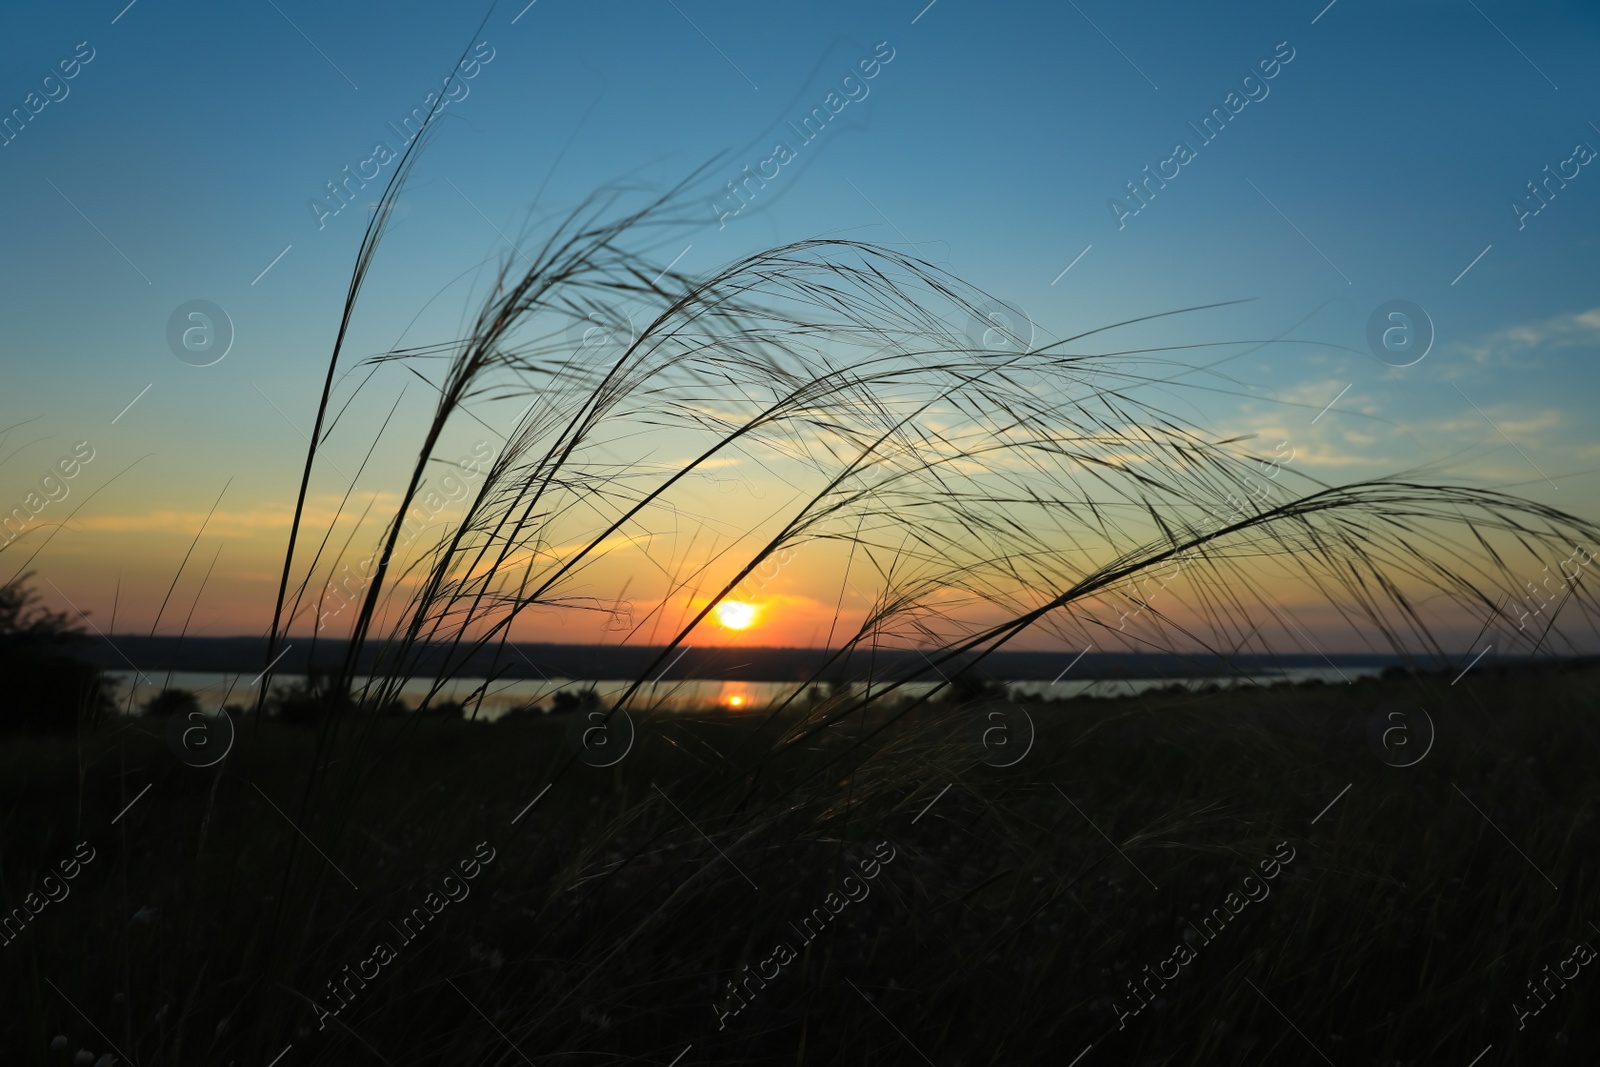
(119, 578)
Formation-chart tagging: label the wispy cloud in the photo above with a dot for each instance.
(231, 524)
(1561, 332)
(169, 520)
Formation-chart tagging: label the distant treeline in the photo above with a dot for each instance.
(247, 655)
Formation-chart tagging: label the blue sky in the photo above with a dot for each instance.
(1380, 165)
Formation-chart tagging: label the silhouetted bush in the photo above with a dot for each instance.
(566, 700)
(972, 686)
(172, 702)
(307, 703)
(43, 689)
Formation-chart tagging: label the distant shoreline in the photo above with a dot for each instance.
(247, 655)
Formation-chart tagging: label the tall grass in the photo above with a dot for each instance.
(977, 495)
(984, 494)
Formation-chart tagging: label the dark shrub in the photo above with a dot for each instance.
(172, 702)
(972, 686)
(448, 709)
(307, 703)
(43, 689)
(566, 700)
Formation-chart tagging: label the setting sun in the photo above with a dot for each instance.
(736, 614)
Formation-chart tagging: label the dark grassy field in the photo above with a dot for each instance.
(605, 924)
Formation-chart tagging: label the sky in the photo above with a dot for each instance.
(161, 153)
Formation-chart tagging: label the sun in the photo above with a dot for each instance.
(736, 701)
(736, 614)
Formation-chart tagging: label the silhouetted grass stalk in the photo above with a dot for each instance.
(985, 496)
